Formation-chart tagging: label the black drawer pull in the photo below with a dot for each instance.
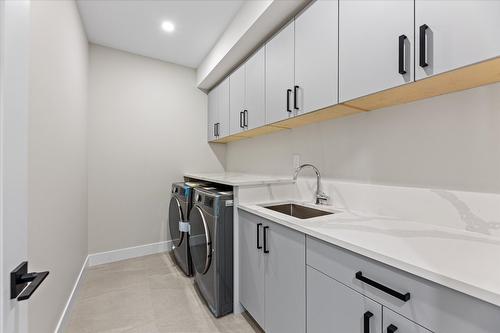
(392, 292)
(401, 60)
(288, 92)
(266, 249)
(245, 118)
(241, 119)
(391, 328)
(366, 321)
(258, 236)
(422, 45)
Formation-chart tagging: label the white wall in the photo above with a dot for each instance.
(449, 142)
(147, 126)
(57, 168)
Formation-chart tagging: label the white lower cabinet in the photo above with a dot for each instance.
(272, 276)
(409, 303)
(333, 307)
(394, 323)
(251, 266)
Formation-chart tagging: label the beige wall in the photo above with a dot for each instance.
(57, 215)
(448, 142)
(147, 125)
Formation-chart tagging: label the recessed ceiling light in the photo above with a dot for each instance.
(167, 26)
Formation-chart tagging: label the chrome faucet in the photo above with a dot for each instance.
(321, 197)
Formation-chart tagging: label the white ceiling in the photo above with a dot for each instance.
(134, 26)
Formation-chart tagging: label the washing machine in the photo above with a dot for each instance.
(211, 243)
(180, 205)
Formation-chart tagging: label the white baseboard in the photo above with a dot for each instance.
(104, 258)
(63, 320)
(129, 252)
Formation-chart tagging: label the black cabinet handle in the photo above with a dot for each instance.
(266, 250)
(218, 129)
(295, 93)
(391, 328)
(288, 92)
(258, 236)
(24, 284)
(366, 321)
(422, 45)
(241, 122)
(392, 292)
(245, 118)
(401, 58)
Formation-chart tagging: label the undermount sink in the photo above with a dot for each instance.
(298, 211)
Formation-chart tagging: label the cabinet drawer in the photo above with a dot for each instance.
(435, 307)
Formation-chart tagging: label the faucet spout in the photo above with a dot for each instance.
(321, 197)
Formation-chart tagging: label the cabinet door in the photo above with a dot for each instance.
(369, 52)
(316, 56)
(458, 33)
(255, 90)
(284, 280)
(279, 75)
(333, 307)
(212, 114)
(251, 266)
(395, 323)
(223, 108)
(236, 100)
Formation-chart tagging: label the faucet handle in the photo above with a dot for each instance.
(321, 198)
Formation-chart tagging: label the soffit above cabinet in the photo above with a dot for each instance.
(254, 23)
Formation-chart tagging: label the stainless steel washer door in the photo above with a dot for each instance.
(174, 216)
(200, 241)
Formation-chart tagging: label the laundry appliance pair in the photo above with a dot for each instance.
(201, 229)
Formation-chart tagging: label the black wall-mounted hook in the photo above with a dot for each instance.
(24, 284)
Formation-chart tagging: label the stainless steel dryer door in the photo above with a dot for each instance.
(174, 216)
(200, 241)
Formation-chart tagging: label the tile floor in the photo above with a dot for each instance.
(146, 295)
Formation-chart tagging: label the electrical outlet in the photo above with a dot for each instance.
(296, 161)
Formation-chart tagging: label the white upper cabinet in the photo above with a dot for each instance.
(223, 109)
(255, 90)
(453, 34)
(316, 56)
(212, 114)
(218, 111)
(375, 46)
(247, 94)
(280, 75)
(237, 100)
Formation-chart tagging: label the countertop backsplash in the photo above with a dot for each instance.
(469, 211)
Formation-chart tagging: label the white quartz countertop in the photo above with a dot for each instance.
(239, 179)
(461, 260)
